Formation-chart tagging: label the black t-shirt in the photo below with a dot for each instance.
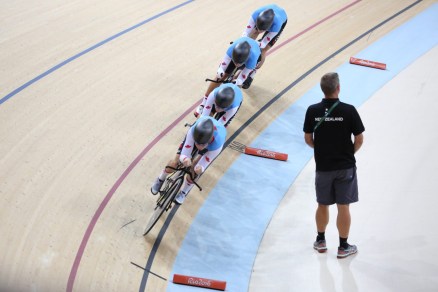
(334, 148)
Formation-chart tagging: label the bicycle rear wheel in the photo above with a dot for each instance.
(163, 203)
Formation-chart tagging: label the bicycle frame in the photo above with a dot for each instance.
(171, 188)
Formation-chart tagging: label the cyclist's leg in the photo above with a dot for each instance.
(200, 164)
(174, 162)
(275, 39)
(272, 38)
(227, 116)
(235, 73)
(243, 76)
(261, 59)
(156, 186)
(251, 75)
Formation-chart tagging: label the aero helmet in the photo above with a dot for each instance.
(265, 19)
(224, 97)
(241, 52)
(203, 131)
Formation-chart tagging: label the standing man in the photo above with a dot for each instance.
(328, 129)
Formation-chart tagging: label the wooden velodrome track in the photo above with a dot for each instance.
(94, 96)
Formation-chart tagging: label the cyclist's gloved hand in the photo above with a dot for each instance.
(220, 73)
(198, 169)
(187, 162)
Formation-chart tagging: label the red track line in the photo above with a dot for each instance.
(116, 185)
(105, 201)
(312, 27)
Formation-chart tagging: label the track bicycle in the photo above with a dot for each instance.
(168, 193)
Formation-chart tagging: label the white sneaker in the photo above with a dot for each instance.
(156, 186)
(179, 198)
(198, 111)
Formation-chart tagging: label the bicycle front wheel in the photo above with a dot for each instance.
(163, 203)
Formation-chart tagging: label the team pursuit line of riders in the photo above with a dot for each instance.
(222, 100)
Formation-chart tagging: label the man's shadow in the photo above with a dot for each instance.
(328, 282)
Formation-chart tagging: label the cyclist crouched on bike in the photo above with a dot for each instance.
(223, 102)
(269, 20)
(208, 136)
(243, 54)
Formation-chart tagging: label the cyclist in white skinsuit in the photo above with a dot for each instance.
(224, 101)
(269, 20)
(244, 53)
(208, 136)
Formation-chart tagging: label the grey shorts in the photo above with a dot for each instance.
(338, 186)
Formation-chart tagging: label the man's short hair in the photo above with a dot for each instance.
(329, 83)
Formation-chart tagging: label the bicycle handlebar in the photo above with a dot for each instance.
(186, 170)
(211, 80)
(217, 81)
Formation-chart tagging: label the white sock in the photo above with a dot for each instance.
(186, 187)
(163, 175)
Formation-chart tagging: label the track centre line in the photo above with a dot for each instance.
(62, 64)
